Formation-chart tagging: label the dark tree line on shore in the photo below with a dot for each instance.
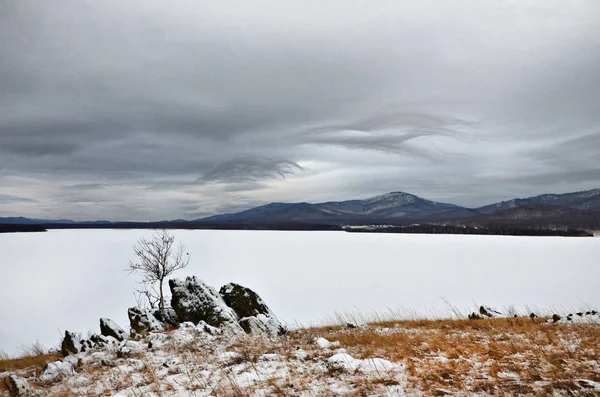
(501, 230)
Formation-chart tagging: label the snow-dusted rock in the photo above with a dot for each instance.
(255, 316)
(73, 360)
(356, 324)
(57, 370)
(195, 301)
(376, 365)
(110, 328)
(101, 340)
(129, 347)
(71, 344)
(343, 361)
(187, 325)
(325, 344)
(262, 324)
(170, 317)
(300, 354)
(209, 329)
(143, 321)
(243, 301)
(18, 386)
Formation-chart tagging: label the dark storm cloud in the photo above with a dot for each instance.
(138, 110)
(251, 169)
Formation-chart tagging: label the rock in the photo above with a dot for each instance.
(484, 312)
(255, 316)
(143, 321)
(355, 324)
(195, 301)
(209, 329)
(129, 348)
(57, 370)
(71, 344)
(325, 344)
(101, 340)
(110, 328)
(555, 318)
(376, 365)
(343, 362)
(170, 317)
(243, 301)
(18, 386)
(262, 324)
(86, 344)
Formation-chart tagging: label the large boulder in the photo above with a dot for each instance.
(195, 301)
(143, 321)
(57, 370)
(110, 328)
(71, 344)
(255, 316)
(243, 301)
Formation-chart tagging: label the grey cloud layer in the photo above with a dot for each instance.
(137, 110)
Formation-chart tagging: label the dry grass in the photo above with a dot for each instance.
(27, 365)
(512, 355)
(30, 363)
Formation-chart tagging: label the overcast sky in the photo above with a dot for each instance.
(149, 110)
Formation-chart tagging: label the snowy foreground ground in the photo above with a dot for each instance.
(511, 356)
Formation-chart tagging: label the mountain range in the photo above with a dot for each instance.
(402, 208)
(577, 209)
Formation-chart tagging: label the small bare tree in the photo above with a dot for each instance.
(158, 258)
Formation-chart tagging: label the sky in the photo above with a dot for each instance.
(147, 110)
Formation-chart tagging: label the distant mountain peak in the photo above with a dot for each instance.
(393, 199)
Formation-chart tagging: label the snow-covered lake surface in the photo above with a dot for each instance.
(68, 279)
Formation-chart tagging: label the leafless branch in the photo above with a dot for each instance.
(157, 258)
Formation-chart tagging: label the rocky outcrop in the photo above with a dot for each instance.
(243, 301)
(110, 328)
(255, 316)
(71, 344)
(143, 321)
(195, 301)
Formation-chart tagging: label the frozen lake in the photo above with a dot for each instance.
(68, 279)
